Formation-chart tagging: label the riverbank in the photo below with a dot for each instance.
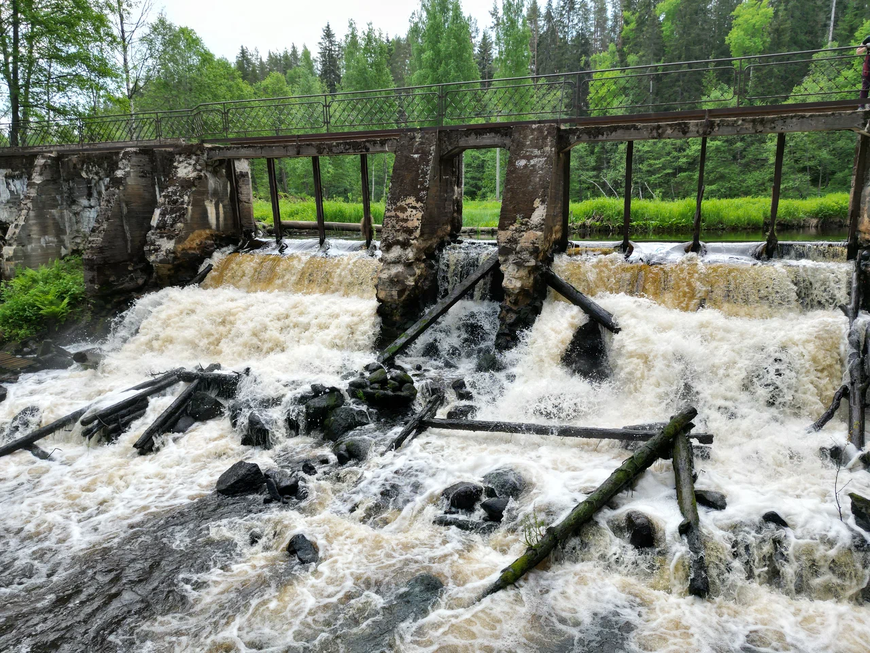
(604, 215)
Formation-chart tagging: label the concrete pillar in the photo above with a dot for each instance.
(58, 210)
(420, 217)
(114, 261)
(194, 217)
(530, 225)
(14, 175)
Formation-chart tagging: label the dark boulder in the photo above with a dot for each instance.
(203, 407)
(641, 532)
(309, 468)
(183, 424)
(51, 357)
(286, 484)
(505, 482)
(378, 376)
(356, 384)
(461, 390)
(343, 420)
(274, 495)
(303, 549)
(88, 358)
(494, 508)
(257, 433)
(462, 411)
(373, 367)
(860, 510)
(3, 393)
(711, 499)
(489, 361)
(241, 478)
(463, 496)
(465, 524)
(772, 517)
(319, 408)
(586, 354)
(352, 449)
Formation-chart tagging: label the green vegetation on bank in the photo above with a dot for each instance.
(40, 299)
(605, 214)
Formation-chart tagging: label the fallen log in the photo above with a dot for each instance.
(569, 292)
(90, 430)
(329, 226)
(200, 276)
(112, 431)
(828, 415)
(637, 434)
(699, 585)
(413, 428)
(146, 390)
(66, 420)
(38, 452)
(226, 385)
(621, 478)
(857, 385)
(168, 417)
(439, 309)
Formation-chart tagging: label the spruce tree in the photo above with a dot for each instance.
(329, 60)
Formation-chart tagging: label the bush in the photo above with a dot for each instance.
(35, 300)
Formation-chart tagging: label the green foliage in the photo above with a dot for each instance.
(441, 46)
(366, 60)
(534, 528)
(304, 209)
(750, 31)
(36, 299)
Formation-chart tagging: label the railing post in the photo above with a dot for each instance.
(325, 116)
(81, 125)
(366, 199)
(318, 199)
(158, 127)
(273, 194)
(626, 208)
(440, 109)
(225, 120)
(696, 235)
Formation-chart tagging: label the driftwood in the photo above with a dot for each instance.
(226, 385)
(200, 276)
(640, 433)
(828, 415)
(116, 428)
(569, 292)
(413, 428)
(683, 463)
(439, 309)
(166, 420)
(855, 363)
(113, 419)
(38, 451)
(621, 478)
(146, 390)
(66, 420)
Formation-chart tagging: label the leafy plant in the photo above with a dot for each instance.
(36, 299)
(533, 527)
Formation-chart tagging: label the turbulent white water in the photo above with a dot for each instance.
(760, 364)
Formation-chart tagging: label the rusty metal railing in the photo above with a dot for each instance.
(775, 79)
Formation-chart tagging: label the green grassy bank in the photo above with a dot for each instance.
(605, 214)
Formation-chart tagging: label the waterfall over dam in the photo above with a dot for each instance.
(137, 553)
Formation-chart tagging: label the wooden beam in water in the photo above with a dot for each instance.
(318, 198)
(583, 432)
(859, 176)
(328, 226)
(772, 240)
(273, 195)
(626, 207)
(367, 230)
(569, 292)
(413, 428)
(683, 462)
(583, 513)
(696, 235)
(439, 309)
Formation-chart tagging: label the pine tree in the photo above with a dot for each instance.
(366, 60)
(484, 56)
(441, 46)
(329, 60)
(512, 36)
(533, 19)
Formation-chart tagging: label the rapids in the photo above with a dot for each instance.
(105, 550)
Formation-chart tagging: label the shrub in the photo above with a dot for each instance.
(38, 299)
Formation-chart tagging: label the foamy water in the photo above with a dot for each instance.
(773, 589)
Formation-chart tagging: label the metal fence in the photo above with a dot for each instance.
(793, 77)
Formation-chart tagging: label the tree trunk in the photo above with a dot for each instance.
(699, 585)
(585, 511)
(14, 89)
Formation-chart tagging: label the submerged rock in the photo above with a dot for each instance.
(586, 354)
(505, 482)
(51, 357)
(391, 390)
(711, 499)
(286, 484)
(466, 524)
(463, 496)
(303, 549)
(241, 478)
(183, 424)
(772, 517)
(461, 390)
(494, 508)
(3, 393)
(352, 449)
(203, 407)
(257, 433)
(462, 411)
(318, 408)
(642, 534)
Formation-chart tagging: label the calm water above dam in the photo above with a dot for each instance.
(105, 550)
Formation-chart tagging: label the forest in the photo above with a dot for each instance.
(86, 57)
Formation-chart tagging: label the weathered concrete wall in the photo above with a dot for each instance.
(114, 259)
(245, 188)
(530, 225)
(420, 217)
(193, 218)
(58, 210)
(14, 174)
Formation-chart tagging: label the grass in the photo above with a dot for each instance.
(37, 300)
(605, 214)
